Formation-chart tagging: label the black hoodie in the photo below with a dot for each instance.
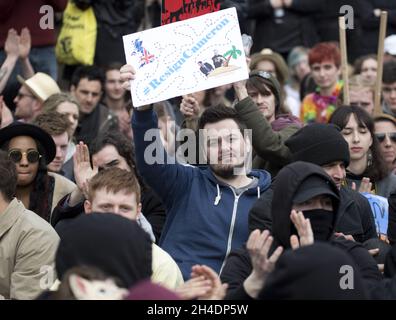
(113, 244)
(315, 272)
(286, 185)
(288, 180)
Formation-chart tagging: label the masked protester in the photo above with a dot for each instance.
(307, 188)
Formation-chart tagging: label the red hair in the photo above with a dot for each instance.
(325, 51)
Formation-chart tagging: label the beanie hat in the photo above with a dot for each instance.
(269, 81)
(319, 143)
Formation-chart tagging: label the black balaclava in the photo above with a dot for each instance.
(295, 183)
(322, 220)
(115, 245)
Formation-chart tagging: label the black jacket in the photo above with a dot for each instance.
(354, 218)
(392, 219)
(238, 265)
(371, 24)
(295, 28)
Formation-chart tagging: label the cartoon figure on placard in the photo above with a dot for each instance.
(222, 62)
(145, 56)
(218, 59)
(205, 68)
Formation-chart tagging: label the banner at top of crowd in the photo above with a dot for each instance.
(185, 57)
(177, 10)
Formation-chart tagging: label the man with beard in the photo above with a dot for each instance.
(207, 207)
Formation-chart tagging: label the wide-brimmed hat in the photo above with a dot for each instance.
(17, 129)
(41, 85)
(275, 58)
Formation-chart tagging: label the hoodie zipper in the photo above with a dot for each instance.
(231, 233)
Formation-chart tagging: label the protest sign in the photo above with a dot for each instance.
(186, 57)
(177, 10)
(380, 207)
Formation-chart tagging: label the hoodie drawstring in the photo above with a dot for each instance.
(218, 197)
(258, 192)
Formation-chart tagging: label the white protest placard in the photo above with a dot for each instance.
(185, 57)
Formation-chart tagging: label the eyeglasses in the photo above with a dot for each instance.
(32, 156)
(381, 136)
(21, 95)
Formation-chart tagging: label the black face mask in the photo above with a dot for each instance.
(322, 223)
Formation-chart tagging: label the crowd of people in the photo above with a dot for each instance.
(91, 209)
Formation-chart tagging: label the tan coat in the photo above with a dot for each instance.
(62, 187)
(27, 252)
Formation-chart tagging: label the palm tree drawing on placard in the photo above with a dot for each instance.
(232, 53)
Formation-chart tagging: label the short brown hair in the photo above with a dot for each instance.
(54, 123)
(9, 177)
(114, 180)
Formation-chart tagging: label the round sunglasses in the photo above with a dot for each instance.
(32, 156)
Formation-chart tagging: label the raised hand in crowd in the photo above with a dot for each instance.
(189, 106)
(365, 185)
(25, 44)
(5, 114)
(83, 172)
(11, 46)
(217, 290)
(258, 246)
(127, 73)
(204, 284)
(304, 230)
(240, 90)
(11, 50)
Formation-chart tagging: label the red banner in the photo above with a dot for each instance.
(177, 10)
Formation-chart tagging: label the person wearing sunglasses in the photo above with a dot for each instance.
(385, 131)
(32, 149)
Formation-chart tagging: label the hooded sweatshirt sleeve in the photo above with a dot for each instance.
(161, 172)
(235, 271)
(268, 143)
(392, 219)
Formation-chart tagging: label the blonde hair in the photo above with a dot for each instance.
(52, 103)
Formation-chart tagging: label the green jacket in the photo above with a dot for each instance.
(271, 153)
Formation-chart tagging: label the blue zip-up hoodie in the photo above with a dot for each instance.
(205, 218)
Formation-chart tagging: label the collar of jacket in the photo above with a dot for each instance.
(264, 180)
(10, 215)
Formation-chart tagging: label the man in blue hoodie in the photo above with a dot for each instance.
(207, 207)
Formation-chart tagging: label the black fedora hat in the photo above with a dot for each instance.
(17, 129)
